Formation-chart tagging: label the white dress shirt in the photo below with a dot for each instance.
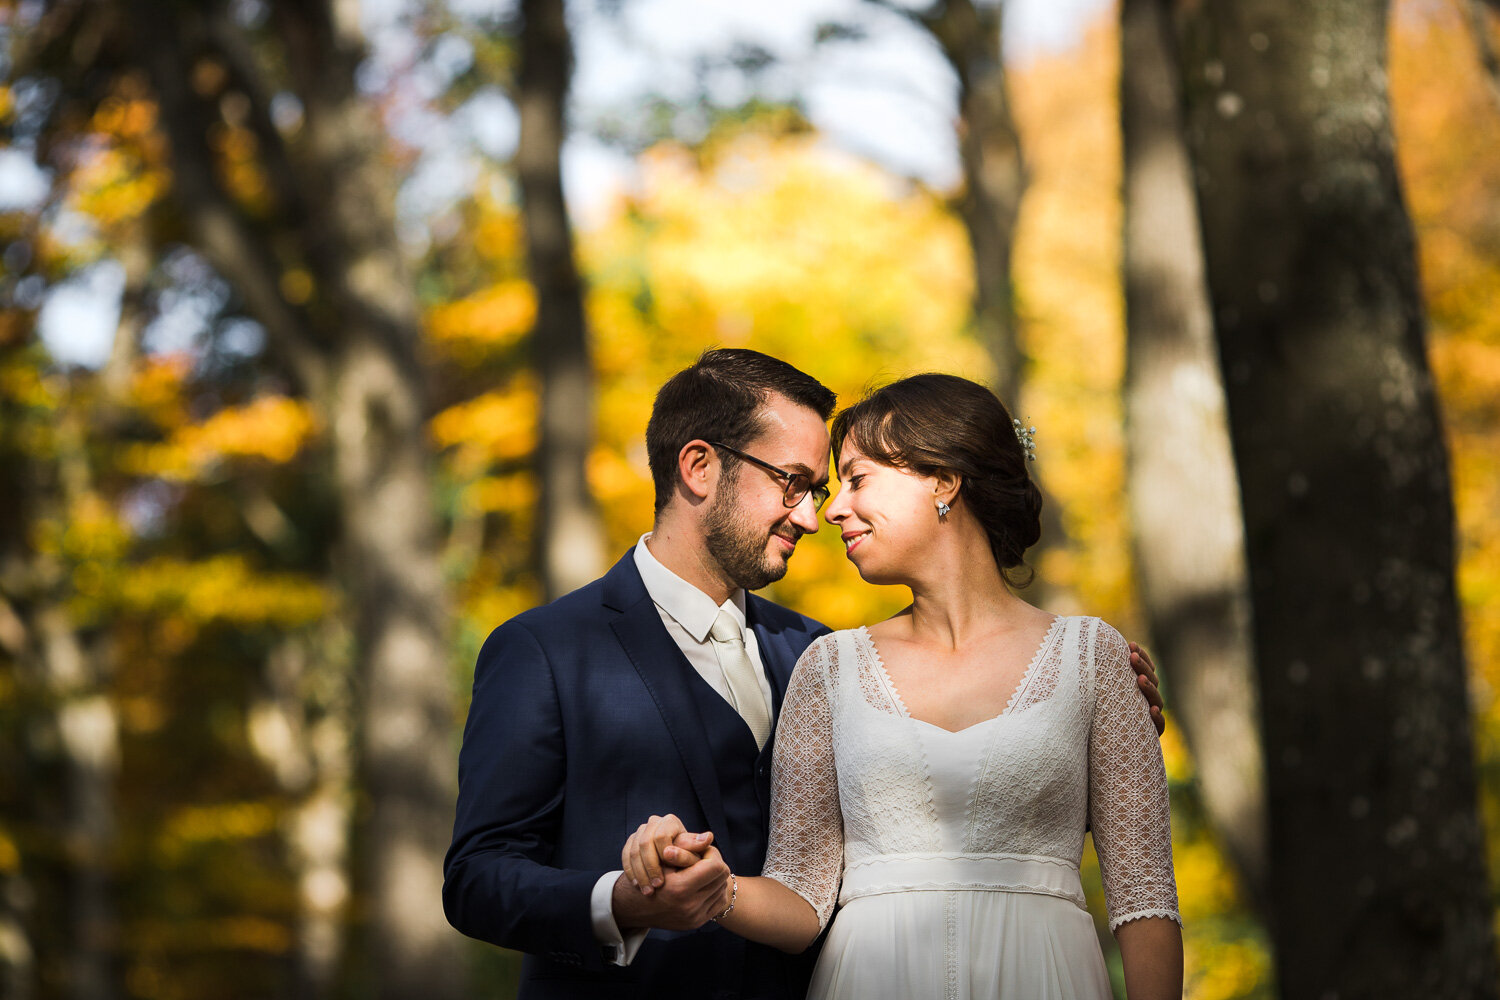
(688, 614)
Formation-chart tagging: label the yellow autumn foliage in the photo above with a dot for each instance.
(25, 385)
(239, 165)
(156, 388)
(1071, 309)
(1220, 970)
(494, 427)
(754, 246)
(196, 824)
(225, 588)
(1446, 124)
(499, 494)
(88, 532)
(124, 171)
(270, 428)
(169, 938)
(491, 320)
(10, 855)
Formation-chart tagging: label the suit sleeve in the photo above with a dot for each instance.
(498, 881)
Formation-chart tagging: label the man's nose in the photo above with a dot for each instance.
(805, 514)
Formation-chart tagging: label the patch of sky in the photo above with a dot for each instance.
(489, 118)
(145, 505)
(250, 13)
(188, 307)
(448, 57)
(240, 338)
(483, 11)
(32, 99)
(286, 111)
(441, 177)
(23, 186)
(78, 320)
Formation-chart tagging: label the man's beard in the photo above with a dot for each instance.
(739, 548)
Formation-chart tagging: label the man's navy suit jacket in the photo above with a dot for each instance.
(585, 721)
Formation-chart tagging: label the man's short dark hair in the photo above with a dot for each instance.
(718, 398)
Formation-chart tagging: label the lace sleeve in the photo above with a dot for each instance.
(806, 848)
(1128, 791)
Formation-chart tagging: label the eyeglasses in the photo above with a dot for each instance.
(795, 485)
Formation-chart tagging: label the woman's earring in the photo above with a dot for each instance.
(943, 510)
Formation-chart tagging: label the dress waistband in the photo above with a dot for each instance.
(971, 872)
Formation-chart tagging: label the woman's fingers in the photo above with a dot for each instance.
(663, 833)
(658, 843)
(653, 836)
(687, 850)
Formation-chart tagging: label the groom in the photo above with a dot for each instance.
(654, 689)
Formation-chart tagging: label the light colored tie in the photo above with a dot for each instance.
(739, 671)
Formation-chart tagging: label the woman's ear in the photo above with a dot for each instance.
(945, 487)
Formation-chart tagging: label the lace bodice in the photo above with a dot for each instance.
(856, 777)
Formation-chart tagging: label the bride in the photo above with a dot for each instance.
(935, 773)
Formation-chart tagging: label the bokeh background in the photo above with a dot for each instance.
(330, 332)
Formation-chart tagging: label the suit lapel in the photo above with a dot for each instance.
(665, 673)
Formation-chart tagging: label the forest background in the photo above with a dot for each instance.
(249, 551)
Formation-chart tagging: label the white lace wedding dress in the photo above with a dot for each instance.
(954, 855)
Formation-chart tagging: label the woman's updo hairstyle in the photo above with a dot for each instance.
(932, 423)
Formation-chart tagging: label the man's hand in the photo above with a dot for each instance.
(1145, 676)
(685, 899)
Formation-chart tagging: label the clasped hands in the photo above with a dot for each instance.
(672, 879)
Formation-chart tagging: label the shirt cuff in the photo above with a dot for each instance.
(619, 949)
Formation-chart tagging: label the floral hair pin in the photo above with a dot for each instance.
(1027, 437)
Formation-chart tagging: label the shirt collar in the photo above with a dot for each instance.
(690, 607)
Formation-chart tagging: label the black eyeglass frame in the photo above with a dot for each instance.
(820, 494)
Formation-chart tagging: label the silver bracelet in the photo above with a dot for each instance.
(734, 893)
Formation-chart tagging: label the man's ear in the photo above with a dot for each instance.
(696, 468)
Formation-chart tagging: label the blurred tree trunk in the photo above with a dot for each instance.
(76, 663)
(301, 728)
(17, 956)
(969, 35)
(570, 534)
(1377, 882)
(324, 275)
(1185, 504)
(68, 661)
(18, 937)
(73, 668)
(24, 938)
(62, 672)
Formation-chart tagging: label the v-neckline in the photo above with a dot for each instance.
(1021, 685)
